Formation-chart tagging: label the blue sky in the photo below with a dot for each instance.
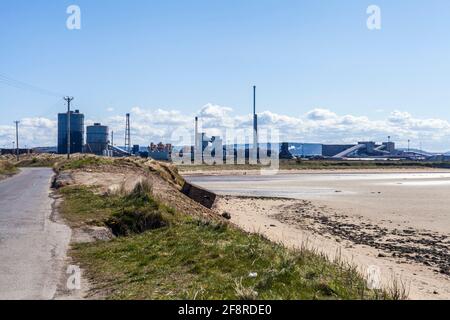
(182, 55)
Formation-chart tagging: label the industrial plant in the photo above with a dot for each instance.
(71, 133)
(99, 141)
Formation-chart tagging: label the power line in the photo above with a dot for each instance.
(25, 86)
(6, 80)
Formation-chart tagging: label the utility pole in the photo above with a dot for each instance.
(409, 142)
(68, 100)
(17, 139)
(112, 138)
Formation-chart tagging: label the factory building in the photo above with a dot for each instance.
(330, 150)
(97, 139)
(389, 146)
(216, 151)
(363, 149)
(160, 151)
(285, 153)
(76, 132)
(368, 149)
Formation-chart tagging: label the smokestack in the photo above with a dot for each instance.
(255, 116)
(128, 134)
(196, 141)
(255, 126)
(254, 100)
(196, 132)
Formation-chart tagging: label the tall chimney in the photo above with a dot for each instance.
(255, 125)
(196, 141)
(254, 100)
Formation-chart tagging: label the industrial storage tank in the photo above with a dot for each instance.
(97, 139)
(76, 132)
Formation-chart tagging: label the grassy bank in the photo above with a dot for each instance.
(7, 168)
(57, 161)
(162, 254)
(81, 162)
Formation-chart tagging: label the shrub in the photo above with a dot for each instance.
(139, 212)
(131, 220)
(7, 167)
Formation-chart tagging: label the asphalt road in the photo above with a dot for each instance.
(32, 246)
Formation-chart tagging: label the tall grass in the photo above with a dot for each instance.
(7, 168)
(139, 212)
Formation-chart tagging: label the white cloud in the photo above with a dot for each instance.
(318, 125)
(32, 132)
(321, 115)
(214, 111)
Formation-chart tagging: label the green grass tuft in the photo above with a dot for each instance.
(139, 212)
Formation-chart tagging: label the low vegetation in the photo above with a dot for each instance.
(33, 160)
(163, 254)
(328, 164)
(39, 161)
(7, 168)
(323, 164)
(81, 162)
(194, 259)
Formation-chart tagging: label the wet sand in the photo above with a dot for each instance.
(399, 221)
(419, 200)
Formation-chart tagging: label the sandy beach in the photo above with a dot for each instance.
(397, 220)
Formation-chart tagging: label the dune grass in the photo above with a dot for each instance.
(39, 161)
(7, 168)
(81, 162)
(183, 257)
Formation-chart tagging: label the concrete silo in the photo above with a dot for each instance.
(97, 139)
(76, 132)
